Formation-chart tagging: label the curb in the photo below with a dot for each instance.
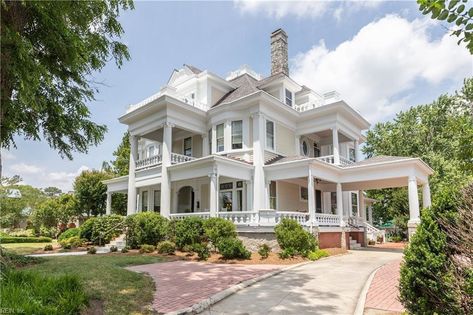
(360, 305)
(204, 304)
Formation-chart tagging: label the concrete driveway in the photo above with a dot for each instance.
(329, 286)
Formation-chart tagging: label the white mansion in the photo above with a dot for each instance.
(255, 150)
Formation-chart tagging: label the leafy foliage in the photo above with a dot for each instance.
(86, 228)
(49, 50)
(189, 231)
(90, 192)
(101, 230)
(24, 239)
(317, 254)
(146, 228)
(166, 247)
(264, 251)
(233, 248)
(217, 229)
(71, 242)
(146, 248)
(292, 236)
(455, 12)
(202, 250)
(69, 233)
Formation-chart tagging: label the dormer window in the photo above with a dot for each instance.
(288, 95)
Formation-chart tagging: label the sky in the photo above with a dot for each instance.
(382, 56)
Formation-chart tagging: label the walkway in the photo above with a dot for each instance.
(329, 286)
(383, 292)
(181, 284)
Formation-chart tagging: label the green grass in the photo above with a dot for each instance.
(24, 248)
(104, 278)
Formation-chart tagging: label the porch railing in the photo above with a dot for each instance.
(240, 217)
(180, 216)
(301, 217)
(148, 162)
(331, 160)
(180, 158)
(327, 219)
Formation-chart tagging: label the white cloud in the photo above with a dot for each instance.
(7, 156)
(40, 177)
(302, 9)
(377, 69)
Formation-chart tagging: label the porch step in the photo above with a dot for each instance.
(119, 242)
(354, 244)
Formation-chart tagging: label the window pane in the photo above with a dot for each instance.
(304, 193)
(144, 201)
(220, 138)
(288, 97)
(270, 134)
(237, 134)
(188, 146)
(210, 141)
(157, 200)
(226, 200)
(220, 131)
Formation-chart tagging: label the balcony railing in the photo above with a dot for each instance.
(331, 160)
(180, 158)
(327, 98)
(327, 219)
(180, 216)
(148, 162)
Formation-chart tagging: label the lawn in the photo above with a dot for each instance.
(106, 282)
(25, 248)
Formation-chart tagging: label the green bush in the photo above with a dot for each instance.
(287, 253)
(189, 231)
(86, 228)
(166, 247)
(232, 248)
(146, 228)
(69, 233)
(92, 250)
(35, 293)
(217, 229)
(13, 239)
(187, 248)
(124, 250)
(113, 249)
(107, 227)
(291, 235)
(48, 247)
(202, 251)
(11, 260)
(264, 250)
(316, 255)
(71, 242)
(48, 231)
(145, 248)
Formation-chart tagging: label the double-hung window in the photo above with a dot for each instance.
(270, 135)
(151, 151)
(188, 146)
(288, 95)
(210, 141)
(237, 134)
(220, 138)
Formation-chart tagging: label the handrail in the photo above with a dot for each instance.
(102, 233)
(150, 161)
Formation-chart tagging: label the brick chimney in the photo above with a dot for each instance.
(279, 63)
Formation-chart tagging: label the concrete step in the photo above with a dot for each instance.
(355, 246)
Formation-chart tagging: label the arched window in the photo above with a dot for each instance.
(305, 148)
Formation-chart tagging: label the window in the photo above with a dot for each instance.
(270, 135)
(272, 195)
(351, 154)
(304, 194)
(220, 138)
(151, 150)
(237, 134)
(210, 141)
(157, 201)
(188, 146)
(226, 200)
(288, 97)
(318, 201)
(333, 202)
(354, 204)
(316, 150)
(305, 148)
(144, 201)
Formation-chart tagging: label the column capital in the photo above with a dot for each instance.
(169, 124)
(257, 115)
(212, 175)
(412, 178)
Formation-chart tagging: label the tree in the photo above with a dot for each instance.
(49, 50)
(68, 208)
(440, 133)
(52, 191)
(455, 12)
(90, 192)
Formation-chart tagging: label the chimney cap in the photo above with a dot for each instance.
(279, 34)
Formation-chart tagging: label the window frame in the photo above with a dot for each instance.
(144, 205)
(304, 143)
(289, 99)
(273, 135)
(184, 146)
(300, 194)
(236, 135)
(217, 138)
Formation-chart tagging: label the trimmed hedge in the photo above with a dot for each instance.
(233, 248)
(189, 231)
(217, 229)
(13, 239)
(146, 228)
(101, 230)
(293, 239)
(69, 233)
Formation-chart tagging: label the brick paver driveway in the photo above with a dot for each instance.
(181, 284)
(383, 292)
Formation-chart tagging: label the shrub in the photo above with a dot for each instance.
(113, 249)
(48, 247)
(43, 294)
(394, 238)
(13, 239)
(287, 253)
(86, 229)
(316, 255)
(145, 248)
(232, 248)
(189, 231)
(71, 242)
(10, 260)
(91, 250)
(69, 233)
(146, 228)
(107, 227)
(217, 229)
(48, 231)
(124, 250)
(290, 234)
(371, 242)
(187, 248)
(264, 251)
(202, 251)
(166, 247)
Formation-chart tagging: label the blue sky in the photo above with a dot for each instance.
(382, 56)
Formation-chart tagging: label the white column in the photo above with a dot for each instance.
(131, 204)
(205, 144)
(108, 209)
(213, 190)
(414, 215)
(426, 201)
(336, 146)
(311, 197)
(166, 162)
(340, 203)
(362, 207)
(298, 145)
(357, 151)
(258, 162)
(249, 197)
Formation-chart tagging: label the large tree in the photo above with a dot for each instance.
(90, 192)
(440, 133)
(49, 51)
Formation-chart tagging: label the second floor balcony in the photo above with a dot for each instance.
(157, 160)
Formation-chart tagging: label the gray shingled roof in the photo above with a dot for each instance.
(271, 78)
(290, 159)
(380, 159)
(246, 85)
